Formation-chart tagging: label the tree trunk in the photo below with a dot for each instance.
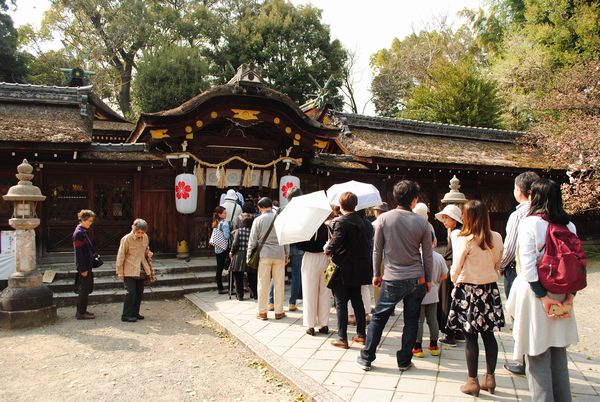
(124, 97)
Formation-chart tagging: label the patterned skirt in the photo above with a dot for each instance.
(476, 308)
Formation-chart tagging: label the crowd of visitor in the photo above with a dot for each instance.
(455, 293)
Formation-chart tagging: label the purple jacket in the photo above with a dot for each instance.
(84, 252)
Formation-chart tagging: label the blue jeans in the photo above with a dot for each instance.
(296, 265)
(392, 292)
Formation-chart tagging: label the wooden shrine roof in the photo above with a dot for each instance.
(57, 115)
(417, 141)
(245, 100)
(120, 153)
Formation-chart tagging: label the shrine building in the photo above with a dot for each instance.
(241, 135)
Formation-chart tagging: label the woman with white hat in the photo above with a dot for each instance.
(233, 208)
(451, 217)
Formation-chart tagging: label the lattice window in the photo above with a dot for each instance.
(114, 201)
(498, 201)
(66, 197)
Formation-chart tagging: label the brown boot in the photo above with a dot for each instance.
(489, 383)
(471, 387)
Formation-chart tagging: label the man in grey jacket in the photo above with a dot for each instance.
(273, 259)
(400, 236)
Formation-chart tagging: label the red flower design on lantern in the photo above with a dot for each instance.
(287, 187)
(182, 190)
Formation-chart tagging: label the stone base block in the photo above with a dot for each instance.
(27, 318)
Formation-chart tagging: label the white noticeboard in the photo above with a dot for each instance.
(8, 263)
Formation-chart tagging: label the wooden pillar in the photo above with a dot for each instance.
(137, 194)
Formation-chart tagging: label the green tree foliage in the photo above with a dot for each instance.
(44, 69)
(13, 64)
(456, 94)
(546, 63)
(169, 76)
(408, 64)
(289, 44)
(109, 33)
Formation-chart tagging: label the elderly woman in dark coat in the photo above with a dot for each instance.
(238, 258)
(349, 250)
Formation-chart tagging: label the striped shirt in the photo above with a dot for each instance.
(510, 241)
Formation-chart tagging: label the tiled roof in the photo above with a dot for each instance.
(427, 128)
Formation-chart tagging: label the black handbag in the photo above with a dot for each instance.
(97, 261)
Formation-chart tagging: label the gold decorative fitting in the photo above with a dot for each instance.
(188, 129)
(276, 120)
(296, 142)
(199, 123)
(243, 114)
(99, 116)
(189, 136)
(214, 115)
(288, 130)
(320, 144)
(159, 133)
(297, 136)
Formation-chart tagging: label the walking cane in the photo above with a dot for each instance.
(230, 281)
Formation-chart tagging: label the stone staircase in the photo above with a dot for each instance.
(174, 278)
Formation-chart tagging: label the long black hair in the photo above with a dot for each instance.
(546, 200)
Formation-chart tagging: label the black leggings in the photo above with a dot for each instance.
(472, 352)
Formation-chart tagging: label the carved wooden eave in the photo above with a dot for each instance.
(244, 102)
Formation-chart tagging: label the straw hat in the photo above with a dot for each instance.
(421, 210)
(452, 211)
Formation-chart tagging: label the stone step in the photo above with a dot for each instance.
(174, 279)
(64, 299)
(112, 282)
(160, 267)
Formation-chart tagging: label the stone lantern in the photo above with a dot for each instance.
(26, 302)
(454, 196)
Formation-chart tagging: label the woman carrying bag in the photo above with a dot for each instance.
(238, 259)
(349, 251)
(219, 239)
(544, 323)
(134, 269)
(84, 260)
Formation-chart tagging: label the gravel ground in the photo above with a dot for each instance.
(586, 306)
(173, 355)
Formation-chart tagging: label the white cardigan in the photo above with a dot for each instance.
(533, 331)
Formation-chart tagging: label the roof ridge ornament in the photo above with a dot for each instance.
(247, 75)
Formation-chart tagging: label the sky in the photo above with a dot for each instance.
(363, 27)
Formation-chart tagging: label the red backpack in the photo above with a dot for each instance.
(562, 268)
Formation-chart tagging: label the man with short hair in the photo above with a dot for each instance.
(521, 192)
(400, 235)
(273, 259)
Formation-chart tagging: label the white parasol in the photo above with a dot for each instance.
(301, 217)
(367, 194)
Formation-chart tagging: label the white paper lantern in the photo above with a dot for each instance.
(186, 193)
(286, 183)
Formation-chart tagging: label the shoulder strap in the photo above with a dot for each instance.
(232, 213)
(264, 239)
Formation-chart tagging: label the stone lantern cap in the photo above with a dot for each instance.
(24, 190)
(454, 196)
